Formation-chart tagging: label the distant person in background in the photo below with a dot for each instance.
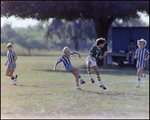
(12, 57)
(142, 55)
(131, 51)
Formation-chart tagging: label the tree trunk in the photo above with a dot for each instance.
(76, 44)
(102, 27)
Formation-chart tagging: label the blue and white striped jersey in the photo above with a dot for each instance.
(65, 60)
(141, 54)
(10, 56)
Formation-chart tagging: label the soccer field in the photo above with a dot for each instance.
(42, 93)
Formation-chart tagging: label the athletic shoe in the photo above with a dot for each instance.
(103, 87)
(78, 88)
(15, 77)
(82, 81)
(137, 86)
(14, 82)
(92, 80)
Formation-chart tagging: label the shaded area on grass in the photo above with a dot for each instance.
(101, 71)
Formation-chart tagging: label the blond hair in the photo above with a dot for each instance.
(143, 41)
(66, 49)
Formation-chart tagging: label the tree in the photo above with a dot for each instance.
(71, 31)
(103, 13)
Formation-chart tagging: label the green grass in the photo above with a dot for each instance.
(42, 93)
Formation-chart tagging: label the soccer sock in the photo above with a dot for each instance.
(139, 79)
(90, 73)
(79, 77)
(99, 79)
(12, 77)
(144, 75)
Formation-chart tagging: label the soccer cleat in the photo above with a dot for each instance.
(92, 80)
(137, 86)
(82, 81)
(14, 82)
(78, 88)
(103, 87)
(15, 77)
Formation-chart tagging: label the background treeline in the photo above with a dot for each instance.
(54, 35)
(44, 36)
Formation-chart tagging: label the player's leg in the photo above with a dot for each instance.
(98, 77)
(74, 69)
(77, 80)
(8, 72)
(11, 75)
(9, 69)
(139, 75)
(127, 58)
(89, 71)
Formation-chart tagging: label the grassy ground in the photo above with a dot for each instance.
(42, 93)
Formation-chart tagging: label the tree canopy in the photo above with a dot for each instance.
(70, 10)
(103, 13)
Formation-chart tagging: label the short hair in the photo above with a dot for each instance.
(100, 41)
(131, 40)
(9, 44)
(143, 41)
(65, 49)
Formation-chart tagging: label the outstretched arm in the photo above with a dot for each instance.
(77, 53)
(135, 57)
(60, 60)
(105, 54)
(6, 62)
(54, 69)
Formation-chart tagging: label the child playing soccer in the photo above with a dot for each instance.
(142, 55)
(12, 57)
(69, 67)
(96, 54)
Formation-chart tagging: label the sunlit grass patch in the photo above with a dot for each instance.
(42, 93)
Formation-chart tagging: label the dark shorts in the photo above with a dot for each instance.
(10, 65)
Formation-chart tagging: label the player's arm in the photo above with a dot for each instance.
(92, 57)
(55, 65)
(77, 54)
(135, 56)
(145, 59)
(54, 69)
(105, 54)
(6, 62)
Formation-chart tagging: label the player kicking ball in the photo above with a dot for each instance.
(94, 56)
(142, 55)
(65, 58)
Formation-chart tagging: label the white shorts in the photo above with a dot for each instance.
(93, 63)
